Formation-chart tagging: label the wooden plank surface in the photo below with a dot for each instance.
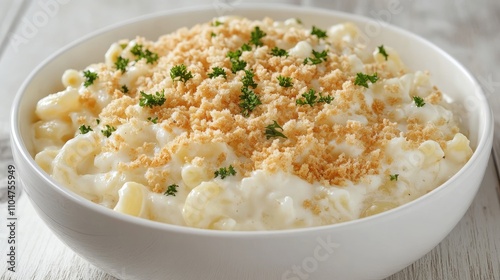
(468, 30)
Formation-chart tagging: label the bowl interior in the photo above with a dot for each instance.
(418, 54)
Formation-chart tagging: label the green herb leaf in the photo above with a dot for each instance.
(217, 71)
(318, 32)
(248, 101)
(138, 50)
(256, 35)
(121, 64)
(394, 177)
(224, 172)
(150, 100)
(212, 34)
(85, 129)
(237, 65)
(217, 23)
(419, 101)
(310, 98)
(247, 80)
(317, 58)
(285, 81)
(124, 89)
(362, 79)
(153, 120)
(108, 131)
(279, 52)
(90, 77)
(382, 51)
(98, 121)
(272, 131)
(246, 48)
(171, 190)
(298, 20)
(180, 73)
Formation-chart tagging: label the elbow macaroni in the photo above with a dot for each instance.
(367, 151)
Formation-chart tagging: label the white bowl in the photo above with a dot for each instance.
(369, 248)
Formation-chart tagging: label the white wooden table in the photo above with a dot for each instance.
(468, 30)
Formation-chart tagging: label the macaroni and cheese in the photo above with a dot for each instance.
(239, 124)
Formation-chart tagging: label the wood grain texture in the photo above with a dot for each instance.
(468, 30)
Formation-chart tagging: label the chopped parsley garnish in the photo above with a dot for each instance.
(419, 101)
(124, 45)
(138, 50)
(180, 73)
(121, 64)
(224, 172)
(318, 32)
(272, 131)
(318, 57)
(90, 77)
(248, 101)
(382, 51)
(237, 65)
(279, 52)
(362, 79)
(151, 100)
(125, 89)
(256, 35)
(212, 34)
(247, 80)
(310, 98)
(394, 177)
(246, 48)
(153, 120)
(217, 71)
(285, 81)
(298, 20)
(171, 190)
(98, 121)
(217, 23)
(234, 54)
(85, 129)
(108, 131)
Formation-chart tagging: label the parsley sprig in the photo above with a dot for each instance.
(224, 172)
(285, 81)
(216, 72)
(382, 51)
(150, 100)
(121, 64)
(419, 101)
(217, 23)
(318, 32)
(236, 63)
(310, 98)
(90, 77)
(171, 190)
(317, 58)
(108, 131)
(362, 79)
(85, 129)
(139, 51)
(272, 131)
(256, 36)
(394, 177)
(180, 73)
(248, 101)
(153, 120)
(279, 52)
(247, 80)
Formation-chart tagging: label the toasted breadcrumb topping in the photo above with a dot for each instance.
(208, 110)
